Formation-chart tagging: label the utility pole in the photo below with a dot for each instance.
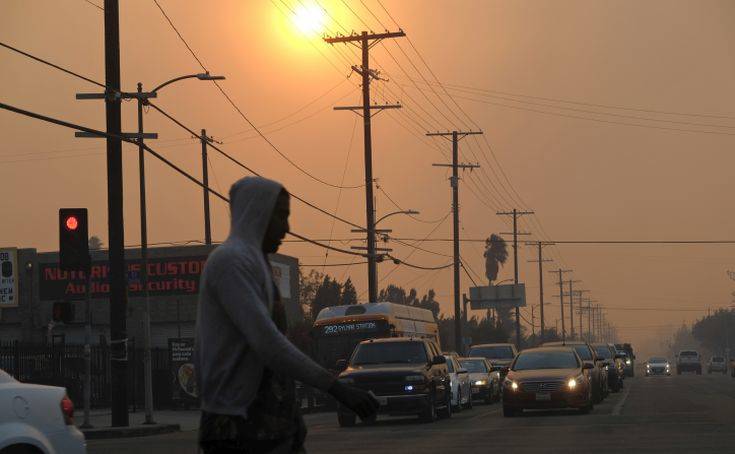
(540, 261)
(366, 41)
(571, 309)
(561, 300)
(455, 165)
(116, 226)
(533, 323)
(515, 213)
(147, 366)
(579, 311)
(205, 180)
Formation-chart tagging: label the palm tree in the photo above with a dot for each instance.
(496, 254)
(95, 243)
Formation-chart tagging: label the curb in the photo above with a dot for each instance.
(128, 432)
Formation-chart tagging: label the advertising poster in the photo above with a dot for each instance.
(181, 352)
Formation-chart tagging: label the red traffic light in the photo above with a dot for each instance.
(72, 223)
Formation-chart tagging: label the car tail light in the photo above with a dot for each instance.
(67, 410)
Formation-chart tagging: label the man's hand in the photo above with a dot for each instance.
(357, 400)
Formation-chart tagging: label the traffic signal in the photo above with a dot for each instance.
(73, 239)
(62, 311)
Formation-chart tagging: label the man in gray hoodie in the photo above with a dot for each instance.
(245, 366)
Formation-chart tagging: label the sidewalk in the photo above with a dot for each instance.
(167, 421)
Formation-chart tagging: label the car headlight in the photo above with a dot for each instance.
(607, 368)
(627, 362)
(414, 378)
(347, 380)
(572, 383)
(511, 384)
(480, 382)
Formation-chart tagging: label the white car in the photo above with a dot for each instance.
(461, 386)
(37, 419)
(717, 364)
(658, 366)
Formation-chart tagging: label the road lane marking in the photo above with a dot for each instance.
(619, 406)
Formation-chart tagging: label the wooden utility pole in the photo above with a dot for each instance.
(455, 165)
(540, 261)
(561, 300)
(205, 181)
(366, 41)
(115, 223)
(515, 213)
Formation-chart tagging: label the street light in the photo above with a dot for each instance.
(406, 212)
(143, 98)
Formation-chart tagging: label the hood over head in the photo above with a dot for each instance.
(252, 201)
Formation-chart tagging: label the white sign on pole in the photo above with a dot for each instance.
(498, 296)
(8, 277)
(282, 276)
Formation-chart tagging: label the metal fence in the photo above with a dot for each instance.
(63, 365)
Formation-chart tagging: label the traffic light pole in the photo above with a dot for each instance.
(116, 228)
(455, 165)
(87, 350)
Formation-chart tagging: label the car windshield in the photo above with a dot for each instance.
(584, 352)
(493, 352)
(390, 353)
(718, 359)
(657, 359)
(546, 360)
(603, 352)
(474, 365)
(688, 353)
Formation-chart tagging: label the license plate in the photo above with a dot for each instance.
(382, 400)
(543, 396)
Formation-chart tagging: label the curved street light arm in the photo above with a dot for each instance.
(200, 76)
(395, 213)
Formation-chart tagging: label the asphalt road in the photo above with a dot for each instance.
(687, 414)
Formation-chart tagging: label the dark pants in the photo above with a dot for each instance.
(250, 447)
(227, 434)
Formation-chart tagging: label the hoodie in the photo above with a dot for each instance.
(236, 338)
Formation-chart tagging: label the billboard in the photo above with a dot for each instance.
(8, 277)
(167, 276)
(498, 296)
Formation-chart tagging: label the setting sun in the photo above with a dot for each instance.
(309, 19)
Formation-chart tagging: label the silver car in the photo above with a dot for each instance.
(658, 366)
(485, 380)
(460, 380)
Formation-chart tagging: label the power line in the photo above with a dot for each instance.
(159, 157)
(318, 265)
(298, 110)
(247, 120)
(582, 103)
(240, 164)
(55, 66)
(95, 5)
(598, 120)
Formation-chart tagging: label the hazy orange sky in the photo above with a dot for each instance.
(586, 180)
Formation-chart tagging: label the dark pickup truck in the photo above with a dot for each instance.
(408, 376)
